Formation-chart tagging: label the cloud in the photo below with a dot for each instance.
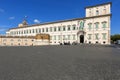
(36, 21)
(2, 10)
(11, 18)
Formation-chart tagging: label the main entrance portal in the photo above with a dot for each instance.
(81, 38)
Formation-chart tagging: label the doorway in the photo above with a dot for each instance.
(81, 38)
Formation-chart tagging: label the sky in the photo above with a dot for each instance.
(12, 12)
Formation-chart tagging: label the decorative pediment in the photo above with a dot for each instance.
(81, 32)
(89, 23)
(96, 22)
(104, 22)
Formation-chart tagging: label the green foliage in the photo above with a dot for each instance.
(115, 37)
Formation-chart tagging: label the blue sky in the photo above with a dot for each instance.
(12, 12)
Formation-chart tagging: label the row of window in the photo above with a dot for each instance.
(55, 29)
(51, 29)
(15, 40)
(104, 25)
(97, 36)
(97, 12)
(63, 37)
(97, 42)
(12, 44)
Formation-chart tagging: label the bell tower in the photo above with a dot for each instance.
(24, 23)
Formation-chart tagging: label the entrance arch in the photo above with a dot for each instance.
(81, 38)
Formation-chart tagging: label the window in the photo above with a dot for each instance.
(96, 25)
(46, 29)
(24, 32)
(64, 28)
(15, 32)
(89, 36)
(4, 39)
(64, 37)
(89, 42)
(33, 31)
(21, 32)
(27, 31)
(55, 29)
(68, 37)
(104, 36)
(19, 40)
(12, 40)
(54, 37)
(68, 28)
(97, 42)
(74, 37)
(104, 10)
(19, 44)
(74, 27)
(104, 25)
(25, 39)
(42, 29)
(50, 29)
(96, 36)
(89, 12)
(50, 37)
(36, 30)
(39, 30)
(59, 37)
(11, 44)
(25, 43)
(90, 26)
(30, 31)
(97, 12)
(59, 28)
(4, 43)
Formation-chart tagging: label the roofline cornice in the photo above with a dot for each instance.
(34, 25)
(99, 5)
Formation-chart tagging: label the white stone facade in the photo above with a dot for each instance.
(94, 28)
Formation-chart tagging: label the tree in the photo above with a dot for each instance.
(115, 37)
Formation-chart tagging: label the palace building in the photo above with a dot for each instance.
(94, 28)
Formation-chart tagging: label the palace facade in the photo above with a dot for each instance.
(94, 28)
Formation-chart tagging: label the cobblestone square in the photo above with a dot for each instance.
(75, 62)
